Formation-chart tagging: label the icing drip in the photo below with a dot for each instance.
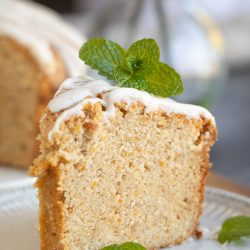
(28, 23)
(75, 92)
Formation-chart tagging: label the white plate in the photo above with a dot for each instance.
(18, 219)
(11, 178)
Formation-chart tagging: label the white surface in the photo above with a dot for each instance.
(18, 220)
(11, 178)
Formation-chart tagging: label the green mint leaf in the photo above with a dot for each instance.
(164, 81)
(125, 246)
(124, 78)
(142, 54)
(102, 55)
(132, 246)
(121, 75)
(234, 228)
(112, 247)
(139, 67)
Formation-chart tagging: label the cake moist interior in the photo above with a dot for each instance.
(138, 177)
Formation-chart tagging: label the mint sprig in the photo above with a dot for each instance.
(125, 246)
(141, 55)
(102, 55)
(234, 228)
(139, 67)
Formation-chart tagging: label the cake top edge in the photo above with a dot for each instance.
(75, 92)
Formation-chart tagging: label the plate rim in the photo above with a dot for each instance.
(228, 194)
(17, 184)
(23, 181)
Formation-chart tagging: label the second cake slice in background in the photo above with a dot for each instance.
(37, 51)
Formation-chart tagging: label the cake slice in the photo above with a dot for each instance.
(38, 51)
(118, 164)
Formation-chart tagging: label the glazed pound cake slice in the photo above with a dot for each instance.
(118, 164)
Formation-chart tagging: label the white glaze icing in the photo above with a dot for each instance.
(40, 28)
(75, 92)
(37, 46)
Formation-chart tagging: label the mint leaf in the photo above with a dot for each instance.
(142, 54)
(125, 246)
(132, 246)
(112, 247)
(124, 78)
(137, 82)
(121, 75)
(164, 81)
(139, 67)
(234, 228)
(102, 55)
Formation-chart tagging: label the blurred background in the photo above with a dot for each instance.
(207, 41)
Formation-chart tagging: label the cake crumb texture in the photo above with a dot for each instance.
(138, 177)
